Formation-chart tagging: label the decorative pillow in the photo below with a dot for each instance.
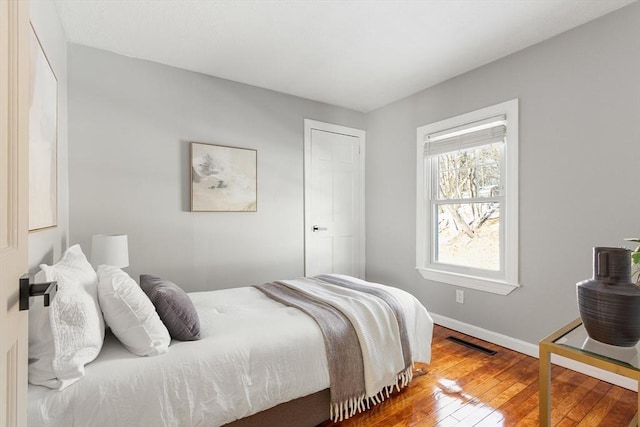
(69, 333)
(130, 314)
(174, 307)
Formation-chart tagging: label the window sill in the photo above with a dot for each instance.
(499, 287)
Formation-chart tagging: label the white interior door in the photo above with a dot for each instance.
(334, 199)
(14, 219)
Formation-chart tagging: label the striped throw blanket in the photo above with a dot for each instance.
(365, 334)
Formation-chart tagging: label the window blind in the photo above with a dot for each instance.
(483, 132)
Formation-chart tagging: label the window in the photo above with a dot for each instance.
(467, 199)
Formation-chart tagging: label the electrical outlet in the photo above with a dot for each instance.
(459, 296)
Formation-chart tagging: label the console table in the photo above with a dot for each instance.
(572, 342)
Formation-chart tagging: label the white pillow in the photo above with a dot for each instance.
(69, 333)
(130, 314)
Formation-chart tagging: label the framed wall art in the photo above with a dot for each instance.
(43, 139)
(223, 179)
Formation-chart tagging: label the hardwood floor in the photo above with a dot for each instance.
(464, 387)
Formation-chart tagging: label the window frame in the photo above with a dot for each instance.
(501, 282)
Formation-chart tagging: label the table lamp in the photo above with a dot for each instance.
(110, 249)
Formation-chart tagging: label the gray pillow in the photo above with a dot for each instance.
(173, 306)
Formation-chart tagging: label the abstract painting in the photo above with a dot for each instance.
(43, 132)
(223, 179)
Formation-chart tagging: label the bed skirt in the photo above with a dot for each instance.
(307, 411)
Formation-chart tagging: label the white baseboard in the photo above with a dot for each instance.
(532, 350)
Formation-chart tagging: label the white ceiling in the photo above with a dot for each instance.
(360, 54)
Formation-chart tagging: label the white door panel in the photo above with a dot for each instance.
(14, 218)
(334, 194)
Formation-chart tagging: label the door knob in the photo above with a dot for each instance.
(316, 228)
(47, 290)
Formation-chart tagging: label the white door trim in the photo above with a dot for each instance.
(360, 134)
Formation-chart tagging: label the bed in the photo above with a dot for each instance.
(257, 360)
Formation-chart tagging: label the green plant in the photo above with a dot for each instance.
(635, 257)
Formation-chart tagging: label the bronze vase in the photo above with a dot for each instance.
(609, 303)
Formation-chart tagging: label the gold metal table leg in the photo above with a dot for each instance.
(545, 386)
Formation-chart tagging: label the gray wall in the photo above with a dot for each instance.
(131, 122)
(47, 245)
(579, 171)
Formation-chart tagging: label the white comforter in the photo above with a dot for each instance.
(254, 354)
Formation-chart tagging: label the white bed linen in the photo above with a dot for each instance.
(254, 354)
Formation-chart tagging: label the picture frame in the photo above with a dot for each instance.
(223, 178)
(43, 139)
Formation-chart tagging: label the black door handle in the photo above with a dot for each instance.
(27, 289)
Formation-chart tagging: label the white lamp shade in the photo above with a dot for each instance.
(110, 249)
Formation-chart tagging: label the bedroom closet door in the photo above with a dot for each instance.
(334, 199)
(14, 110)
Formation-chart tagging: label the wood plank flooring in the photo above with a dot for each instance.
(465, 388)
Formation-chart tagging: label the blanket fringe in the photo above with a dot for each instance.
(341, 411)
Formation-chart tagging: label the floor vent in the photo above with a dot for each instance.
(472, 345)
